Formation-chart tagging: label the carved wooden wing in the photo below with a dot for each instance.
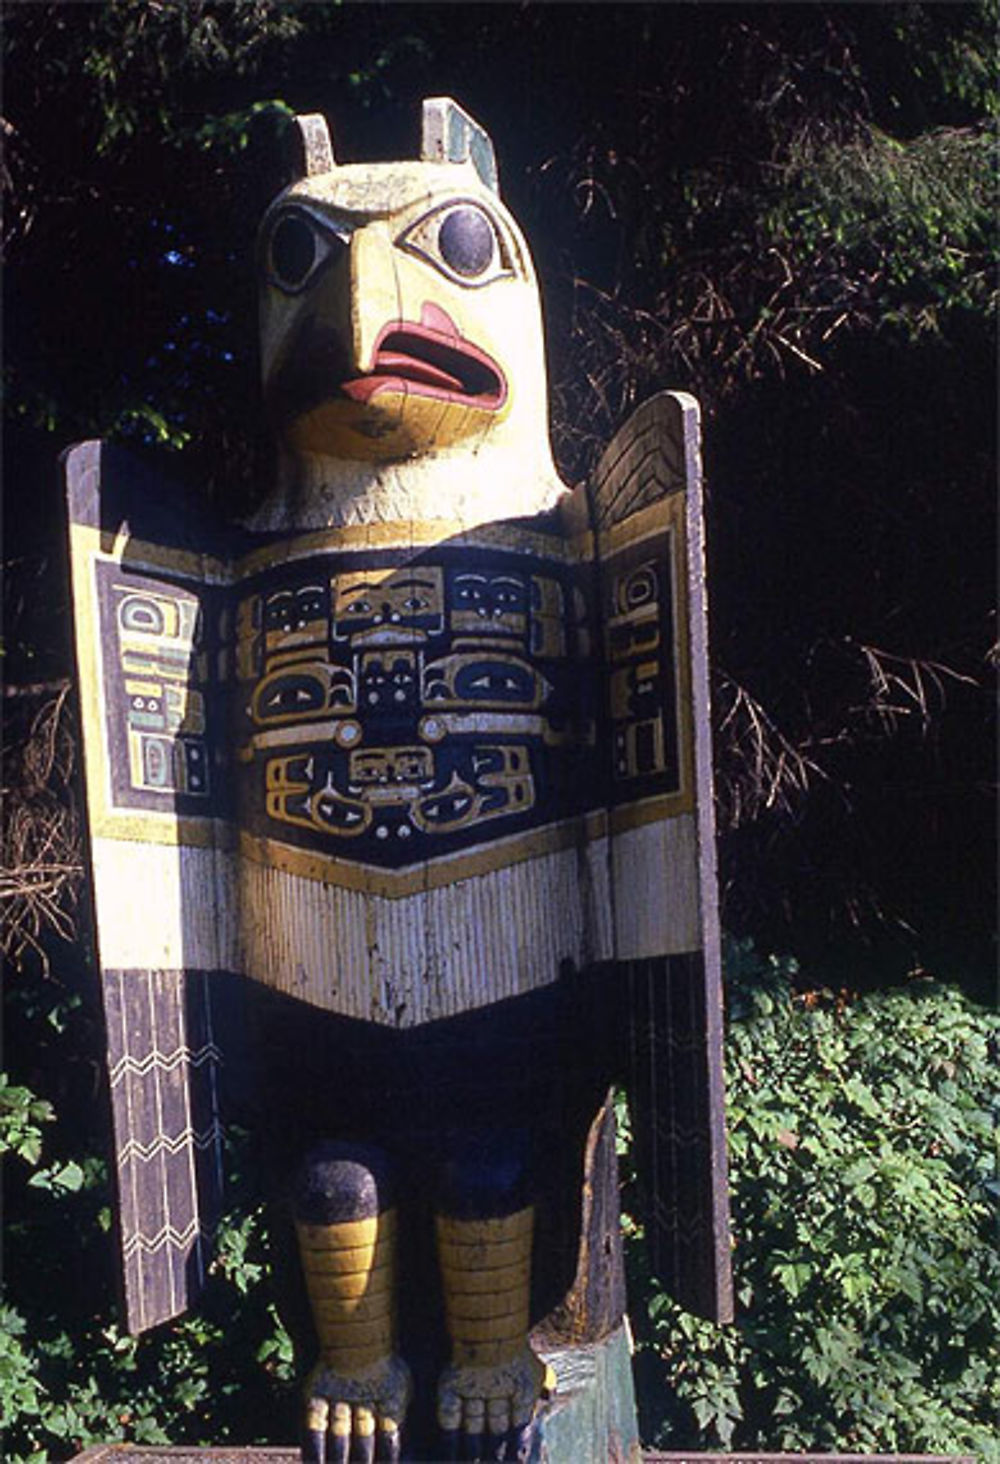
(645, 508)
(145, 611)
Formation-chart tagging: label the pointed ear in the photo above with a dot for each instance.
(451, 136)
(315, 147)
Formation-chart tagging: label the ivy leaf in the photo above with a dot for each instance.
(59, 1178)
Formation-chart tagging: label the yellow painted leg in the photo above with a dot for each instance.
(359, 1390)
(489, 1393)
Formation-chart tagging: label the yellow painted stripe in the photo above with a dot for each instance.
(646, 523)
(493, 1279)
(367, 1332)
(139, 826)
(346, 1234)
(346, 1360)
(504, 1305)
(360, 1312)
(348, 1261)
(140, 554)
(88, 655)
(408, 534)
(350, 1287)
(512, 1329)
(652, 810)
(481, 1255)
(436, 873)
(136, 666)
(470, 1232)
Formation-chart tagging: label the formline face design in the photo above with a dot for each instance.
(384, 712)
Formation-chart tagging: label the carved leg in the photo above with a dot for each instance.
(488, 1395)
(357, 1395)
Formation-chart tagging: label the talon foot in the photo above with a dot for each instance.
(487, 1412)
(356, 1417)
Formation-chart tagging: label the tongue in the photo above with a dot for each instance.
(397, 363)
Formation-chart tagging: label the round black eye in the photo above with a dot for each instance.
(293, 251)
(466, 241)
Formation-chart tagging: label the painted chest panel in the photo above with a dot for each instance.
(394, 707)
(352, 712)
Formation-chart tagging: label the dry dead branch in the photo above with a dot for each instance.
(764, 770)
(904, 686)
(42, 867)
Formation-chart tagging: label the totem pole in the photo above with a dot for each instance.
(400, 814)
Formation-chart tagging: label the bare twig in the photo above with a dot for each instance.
(766, 770)
(34, 689)
(42, 867)
(904, 686)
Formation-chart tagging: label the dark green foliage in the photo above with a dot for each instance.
(897, 232)
(69, 1376)
(863, 1138)
(863, 1144)
(21, 1113)
(222, 1374)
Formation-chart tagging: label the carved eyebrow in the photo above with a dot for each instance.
(339, 221)
(374, 587)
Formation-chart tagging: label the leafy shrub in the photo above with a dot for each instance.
(221, 1374)
(909, 224)
(867, 1273)
(69, 1376)
(21, 1113)
(862, 1144)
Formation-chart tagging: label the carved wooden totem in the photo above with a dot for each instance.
(401, 828)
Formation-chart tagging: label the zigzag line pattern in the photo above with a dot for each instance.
(165, 1062)
(172, 1144)
(168, 1237)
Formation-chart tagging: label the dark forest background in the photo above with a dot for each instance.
(787, 209)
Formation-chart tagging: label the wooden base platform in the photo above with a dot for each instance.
(136, 1454)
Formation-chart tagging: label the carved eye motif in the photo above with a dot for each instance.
(296, 247)
(463, 241)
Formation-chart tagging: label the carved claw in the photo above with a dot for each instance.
(488, 1412)
(359, 1417)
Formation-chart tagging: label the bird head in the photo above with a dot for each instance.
(400, 314)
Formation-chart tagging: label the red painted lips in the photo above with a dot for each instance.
(431, 360)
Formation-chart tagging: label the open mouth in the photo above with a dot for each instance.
(430, 363)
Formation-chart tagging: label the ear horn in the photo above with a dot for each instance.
(450, 135)
(316, 147)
